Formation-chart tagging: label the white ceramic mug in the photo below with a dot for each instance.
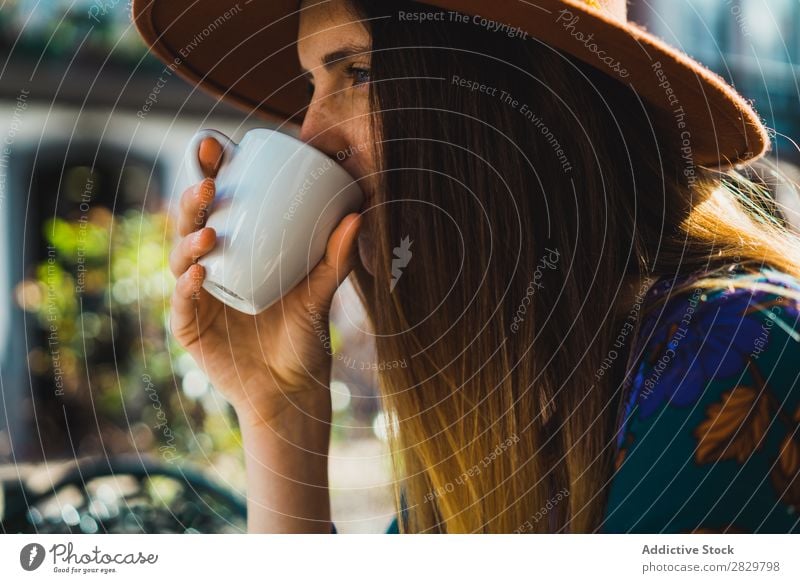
(277, 202)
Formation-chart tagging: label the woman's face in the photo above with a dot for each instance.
(334, 51)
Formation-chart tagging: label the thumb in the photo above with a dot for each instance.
(339, 259)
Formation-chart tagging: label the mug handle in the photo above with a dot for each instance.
(192, 151)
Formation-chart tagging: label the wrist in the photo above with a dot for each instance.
(285, 444)
(286, 409)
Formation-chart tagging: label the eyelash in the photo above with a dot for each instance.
(352, 71)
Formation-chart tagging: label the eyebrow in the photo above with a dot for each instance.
(345, 52)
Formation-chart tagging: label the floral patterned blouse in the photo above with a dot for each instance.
(709, 436)
(709, 427)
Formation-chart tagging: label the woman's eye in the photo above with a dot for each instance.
(360, 76)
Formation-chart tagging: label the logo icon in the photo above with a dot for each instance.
(31, 556)
(403, 256)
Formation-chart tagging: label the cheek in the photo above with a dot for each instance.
(367, 163)
(360, 130)
(364, 143)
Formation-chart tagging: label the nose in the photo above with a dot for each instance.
(323, 128)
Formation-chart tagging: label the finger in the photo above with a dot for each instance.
(194, 206)
(190, 249)
(183, 308)
(339, 258)
(209, 155)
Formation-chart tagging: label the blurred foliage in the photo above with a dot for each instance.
(102, 293)
(98, 29)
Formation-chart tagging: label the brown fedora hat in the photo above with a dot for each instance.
(243, 52)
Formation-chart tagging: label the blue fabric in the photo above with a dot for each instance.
(709, 431)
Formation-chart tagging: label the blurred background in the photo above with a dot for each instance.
(92, 138)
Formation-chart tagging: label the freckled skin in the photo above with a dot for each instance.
(337, 119)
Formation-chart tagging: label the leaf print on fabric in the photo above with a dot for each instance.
(712, 339)
(785, 473)
(674, 342)
(739, 426)
(623, 451)
(735, 427)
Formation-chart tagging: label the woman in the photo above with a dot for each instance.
(600, 325)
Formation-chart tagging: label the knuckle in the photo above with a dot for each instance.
(186, 197)
(176, 333)
(180, 256)
(184, 285)
(174, 262)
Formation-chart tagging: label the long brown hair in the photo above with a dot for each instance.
(518, 188)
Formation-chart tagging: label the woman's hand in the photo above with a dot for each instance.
(258, 362)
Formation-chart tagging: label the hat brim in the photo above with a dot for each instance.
(245, 54)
